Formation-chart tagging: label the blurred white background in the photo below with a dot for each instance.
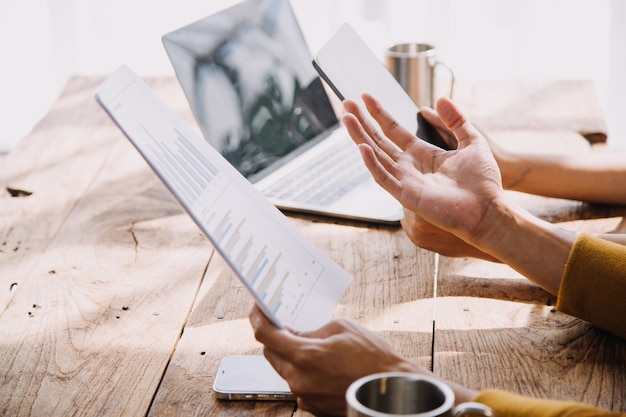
(45, 42)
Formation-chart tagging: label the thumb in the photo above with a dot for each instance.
(456, 121)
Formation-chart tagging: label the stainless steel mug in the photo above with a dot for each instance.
(414, 65)
(407, 394)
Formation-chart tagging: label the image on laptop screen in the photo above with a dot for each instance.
(250, 65)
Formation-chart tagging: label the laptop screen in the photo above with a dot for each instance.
(248, 77)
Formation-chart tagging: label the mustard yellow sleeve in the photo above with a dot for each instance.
(593, 286)
(506, 404)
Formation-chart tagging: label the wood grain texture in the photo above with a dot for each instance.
(495, 329)
(534, 105)
(392, 294)
(112, 303)
(107, 268)
(498, 330)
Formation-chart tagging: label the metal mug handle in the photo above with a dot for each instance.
(473, 408)
(451, 78)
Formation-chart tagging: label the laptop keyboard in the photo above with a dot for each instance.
(324, 179)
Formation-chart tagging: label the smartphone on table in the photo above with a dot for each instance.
(250, 377)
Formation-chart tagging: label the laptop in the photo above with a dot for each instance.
(248, 76)
(292, 281)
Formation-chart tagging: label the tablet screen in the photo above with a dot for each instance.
(351, 68)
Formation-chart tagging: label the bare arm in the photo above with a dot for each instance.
(597, 177)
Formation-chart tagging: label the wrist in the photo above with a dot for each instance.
(512, 170)
(533, 247)
(495, 227)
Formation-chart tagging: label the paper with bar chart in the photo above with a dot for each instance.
(291, 279)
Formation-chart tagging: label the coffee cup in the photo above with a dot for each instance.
(415, 66)
(406, 394)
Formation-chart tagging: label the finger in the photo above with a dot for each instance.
(358, 126)
(382, 160)
(354, 108)
(380, 173)
(390, 127)
(435, 121)
(281, 364)
(333, 327)
(380, 165)
(376, 140)
(433, 118)
(456, 121)
(271, 336)
(323, 405)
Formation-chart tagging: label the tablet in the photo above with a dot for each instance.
(350, 68)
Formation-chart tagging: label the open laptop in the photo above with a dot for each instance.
(292, 281)
(247, 74)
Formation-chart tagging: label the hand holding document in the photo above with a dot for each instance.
(292, 281)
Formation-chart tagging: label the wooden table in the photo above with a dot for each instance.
(112, 303)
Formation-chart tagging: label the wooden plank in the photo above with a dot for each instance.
(107, 267)
(391, 294)
(217, 327)
(52, 171)
(497, 330)
(534, 104)
(53, 166)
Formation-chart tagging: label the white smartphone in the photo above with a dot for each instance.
(250, 377)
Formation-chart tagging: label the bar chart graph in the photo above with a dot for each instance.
(281, 275)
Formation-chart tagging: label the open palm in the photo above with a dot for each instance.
(450, 189)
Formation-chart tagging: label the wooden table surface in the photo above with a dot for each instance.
(112, 303)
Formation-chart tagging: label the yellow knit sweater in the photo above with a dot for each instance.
(593, 288)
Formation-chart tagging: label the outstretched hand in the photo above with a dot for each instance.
(451, 190)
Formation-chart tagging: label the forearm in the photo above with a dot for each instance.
(534, 248)
(596, 177)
